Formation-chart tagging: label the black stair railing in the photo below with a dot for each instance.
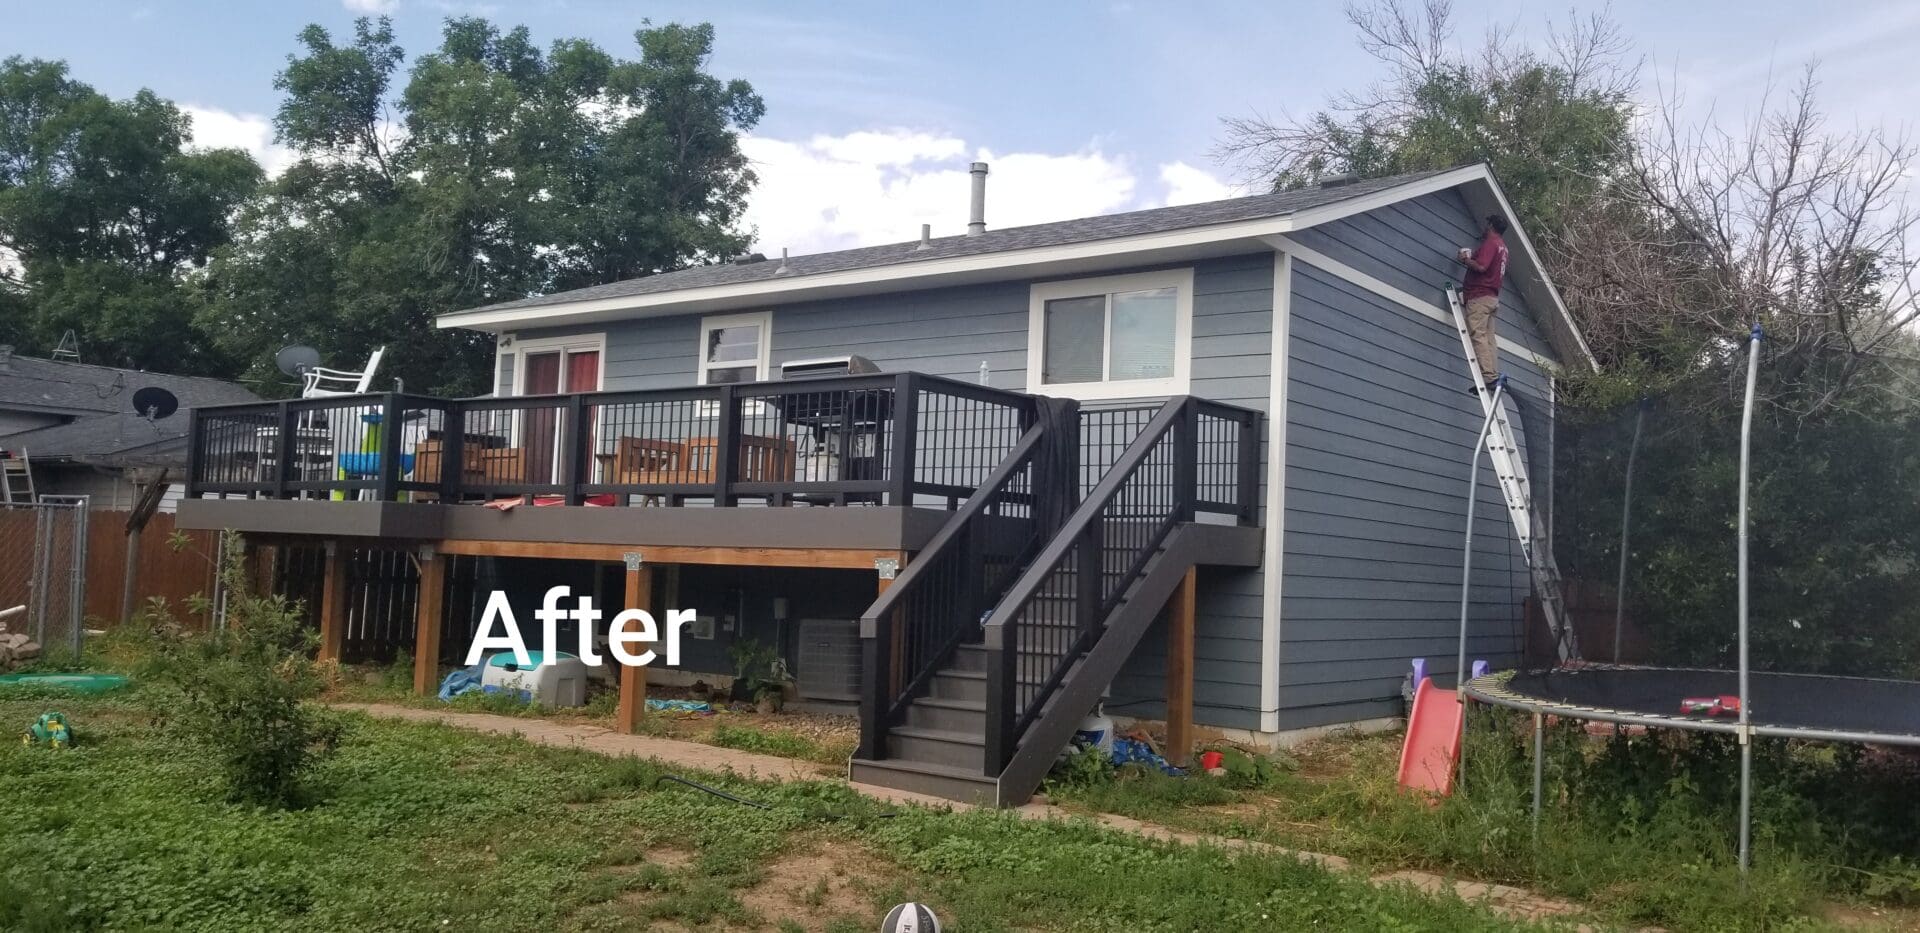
(937, 602)
(1191, 456)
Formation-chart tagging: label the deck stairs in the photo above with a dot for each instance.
(1509, 465)
(985, 720)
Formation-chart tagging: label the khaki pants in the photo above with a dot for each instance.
(1486, 352)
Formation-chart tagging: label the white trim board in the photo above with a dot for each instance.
(1272, 568)
(1397, 296)
(1086, 258)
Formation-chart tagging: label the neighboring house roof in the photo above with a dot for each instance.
(118, 440)
(104, 429)
(1168, 234)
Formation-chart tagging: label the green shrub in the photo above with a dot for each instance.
(236, 691)
(1083, 769)
(1249, 772)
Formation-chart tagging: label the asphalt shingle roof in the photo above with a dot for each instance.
(1061, 233)
(100, 400)
(34, 384)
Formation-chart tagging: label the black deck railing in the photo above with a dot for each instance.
(1191, 456)
(896, 439)
(1092, 490)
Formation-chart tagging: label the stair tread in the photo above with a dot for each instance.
(972, 706)
(938, 735)
(928, 768)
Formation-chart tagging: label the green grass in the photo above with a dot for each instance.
(424, 827)
(781, 743)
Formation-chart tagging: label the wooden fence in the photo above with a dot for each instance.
(172, 574)
(383, 588)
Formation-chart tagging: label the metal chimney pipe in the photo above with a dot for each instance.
(926, 237)
(977, 217)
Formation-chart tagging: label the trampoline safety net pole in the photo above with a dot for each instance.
(1746, 707)
(1626, 524)
(1466, 571)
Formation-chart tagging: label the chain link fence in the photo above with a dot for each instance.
(43, 570)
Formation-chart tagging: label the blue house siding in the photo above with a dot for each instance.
(1232, 362)
(1379, 431)
(949, 332)
(1379, 435)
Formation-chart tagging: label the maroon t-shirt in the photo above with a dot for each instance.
(1492, 256)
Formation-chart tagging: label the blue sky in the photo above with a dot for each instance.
(1083, 107)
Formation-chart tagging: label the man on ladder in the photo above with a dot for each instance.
(1487, 265)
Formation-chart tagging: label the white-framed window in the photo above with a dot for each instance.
(1118, 336)
(735, 348)
(548, 365)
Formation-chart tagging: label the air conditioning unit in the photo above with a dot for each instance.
(849, 365)
(829, 660)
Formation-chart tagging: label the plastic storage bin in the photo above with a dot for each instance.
(556, 678)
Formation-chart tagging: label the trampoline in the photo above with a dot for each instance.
(1789, 706)
(1809, 707)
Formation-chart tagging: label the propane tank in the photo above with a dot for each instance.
(1096, 731)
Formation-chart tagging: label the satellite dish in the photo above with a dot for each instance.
(297, 359)
(154, 403)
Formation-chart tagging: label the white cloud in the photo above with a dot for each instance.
(375, 7)
(879, 186)
(1189, 185)
(214, 128)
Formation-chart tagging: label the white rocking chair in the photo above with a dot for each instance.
(319, 381)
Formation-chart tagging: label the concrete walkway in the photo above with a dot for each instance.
(1516, 903)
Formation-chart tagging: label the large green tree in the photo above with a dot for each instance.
(1553, 123)
(107, 219)
(1668, 241)
(497, 171)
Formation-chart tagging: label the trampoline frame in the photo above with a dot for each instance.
(1492, 690)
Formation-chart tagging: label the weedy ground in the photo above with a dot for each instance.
(1641, 828)
(413, 827)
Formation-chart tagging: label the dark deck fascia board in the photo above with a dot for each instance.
(859, 527)
(1226, 545)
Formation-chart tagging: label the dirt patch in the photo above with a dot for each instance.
(1849, 917)
(825, 882)
(670, 857)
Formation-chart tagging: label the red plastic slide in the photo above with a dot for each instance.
(1433, 740)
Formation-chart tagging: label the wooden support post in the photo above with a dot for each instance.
(633, 679)
(333, 602)
(428, 614)
(1180, 624)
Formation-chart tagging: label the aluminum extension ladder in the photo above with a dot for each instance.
(16, 479)
(1509, 464)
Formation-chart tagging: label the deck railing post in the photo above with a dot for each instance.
(1055, 485)
(1186, 461)
(1248, 495)
(579, 457)
(196, 438)
(453, 452)
(391, 423)
(876, 657)
(726, 448)
(906, 426)
(283, 449)
(1002, 644)
(1089, 579)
